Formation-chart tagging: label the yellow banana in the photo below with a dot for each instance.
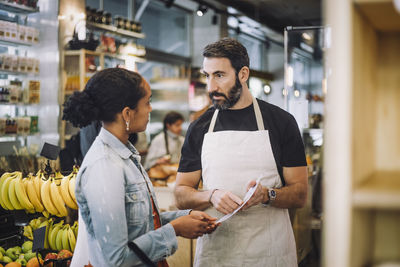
(46, 198)
(13, 196)
(64, 191)
(21, 194)
(71, 239)
(37, 185)
(33, 197)
(71, 187)
(28, 232)
(49, 224)
(53, 235)
(2, 179)
(59, 236)
(65, 241)
(57, 199)
(4, 191)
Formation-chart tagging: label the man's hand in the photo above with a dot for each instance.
(259, 196)
(225, 201)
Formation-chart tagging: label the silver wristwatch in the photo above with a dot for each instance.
(271, 195)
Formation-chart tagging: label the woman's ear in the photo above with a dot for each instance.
(126, 113)
(244, 74)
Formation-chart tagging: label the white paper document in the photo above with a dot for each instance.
(246, 198)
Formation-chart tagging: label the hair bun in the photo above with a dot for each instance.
(80, 109)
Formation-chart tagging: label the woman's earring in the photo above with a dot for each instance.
(127, 126)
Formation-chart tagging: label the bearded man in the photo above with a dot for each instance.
(239, 143)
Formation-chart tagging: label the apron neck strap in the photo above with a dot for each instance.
(257, 111)
(213, 120)
(260, 122)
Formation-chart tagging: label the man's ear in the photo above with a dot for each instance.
(244, 74)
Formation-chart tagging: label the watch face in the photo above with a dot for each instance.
(272, 193)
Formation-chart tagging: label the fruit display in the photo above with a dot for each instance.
(52, 195)
(16, 257)
(36, 193)
(59, 236)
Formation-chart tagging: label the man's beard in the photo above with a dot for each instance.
(233, 97)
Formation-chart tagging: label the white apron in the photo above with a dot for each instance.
(259, 236)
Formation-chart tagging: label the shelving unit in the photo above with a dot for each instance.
(114, 30)
(75, 66)
(362, 184)
(17, 14)
(17, 8)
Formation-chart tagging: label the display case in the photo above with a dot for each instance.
(362, 151)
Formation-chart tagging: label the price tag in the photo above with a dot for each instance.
(39, 236)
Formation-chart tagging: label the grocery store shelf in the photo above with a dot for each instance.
(115, 30)
(14, 42)
(3, 71)
(379, 191)
(17, 104)
(17, 8)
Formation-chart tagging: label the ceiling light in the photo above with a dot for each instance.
(296, 93)
(267, 89)
(201, 10)
(306, 36)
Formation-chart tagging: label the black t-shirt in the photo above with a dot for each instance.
(287, 145)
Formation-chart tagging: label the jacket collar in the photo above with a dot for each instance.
(124, 151)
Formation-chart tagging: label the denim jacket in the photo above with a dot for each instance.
(115, 204)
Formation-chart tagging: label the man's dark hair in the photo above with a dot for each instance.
(230, 49)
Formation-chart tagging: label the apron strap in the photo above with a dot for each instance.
(260, 122)
(213, 120)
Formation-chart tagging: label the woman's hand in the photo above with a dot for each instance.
(196, 224)
(200, 215)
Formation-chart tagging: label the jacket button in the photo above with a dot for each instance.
(134, 197)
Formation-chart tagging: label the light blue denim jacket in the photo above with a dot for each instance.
(115, 205)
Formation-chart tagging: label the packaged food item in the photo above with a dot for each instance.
(20, 125)
(22, 33)
(11, 126)
(34, 92)
(26, 125)
(15, 91)
(3, 126)
(34, 127)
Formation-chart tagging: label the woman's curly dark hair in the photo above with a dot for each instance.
(107, 93)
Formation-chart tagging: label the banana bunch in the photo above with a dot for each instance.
(35, 224)
(17, 193)
(63, 236)
(36, 193)
(57, 192)
(58, 235)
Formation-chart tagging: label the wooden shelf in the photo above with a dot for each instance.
(381, 191)
(17, 8)
(380, 13)
(115, 30)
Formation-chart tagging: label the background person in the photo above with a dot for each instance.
(166, 146)
(232, 144)
(116, 200)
